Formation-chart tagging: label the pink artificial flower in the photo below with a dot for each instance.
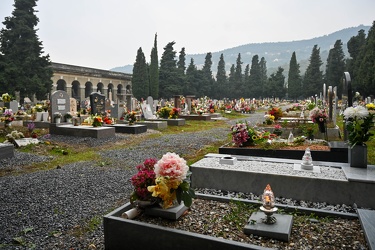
(171, 165)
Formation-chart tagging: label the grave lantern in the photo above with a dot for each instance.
(268, 207)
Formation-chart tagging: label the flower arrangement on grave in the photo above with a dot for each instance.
(318, 115)
(46, 105)
(277, 130)
(13, 136)
(68, 115)
(131, 117)
(37, 108)
(164, 112)
(308, 130)
(7, 116)
(57, 115)
(199, 110)
(142, 179)
(244, 134)
(172, 181)
(359, 121)
(370, 106)
(275, 112)
(30, 127)
(6, 97)
(108, 120)
(97, 121)
(269, 119)
(173, 114)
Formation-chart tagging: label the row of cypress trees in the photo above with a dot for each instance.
(175, 78)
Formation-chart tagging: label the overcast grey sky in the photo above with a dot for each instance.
(107, 33)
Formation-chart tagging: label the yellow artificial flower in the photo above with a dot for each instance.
(370, 106)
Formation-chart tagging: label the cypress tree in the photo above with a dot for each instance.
(294, 79)
(140, 80)
(191, 87)
(313, 80)
(221, 78)
(154, 71)
(181, 68)
(238, 86)
(206, 86)
(275, 87)
(231, 83)
(168, 74)
(355, 45)
(22, 66)
(335, 67)
(255, 78)
(263, 75)
(365, 82)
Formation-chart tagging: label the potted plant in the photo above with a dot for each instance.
(359, 121)
(68, 117)
(57, 117)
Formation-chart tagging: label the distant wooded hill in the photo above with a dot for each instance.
(277, 54)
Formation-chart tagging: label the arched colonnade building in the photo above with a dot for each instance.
(79, 82)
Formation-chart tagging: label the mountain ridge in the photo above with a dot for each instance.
(276, 54)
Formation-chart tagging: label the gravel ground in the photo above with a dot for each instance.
(50, 209)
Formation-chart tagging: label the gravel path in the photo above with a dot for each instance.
(50, 209)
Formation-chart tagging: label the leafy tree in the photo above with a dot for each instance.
(22, 66)
(313, 80)
(365, 73)
(335, 67)
(140, 79)
(221, 78)
(276, 84)
(168, 74)
(154, 71)
(294, 78)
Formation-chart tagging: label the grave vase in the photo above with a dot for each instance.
(38, 117)
(57, 120)
(357, 156)
(45, 116)
(69, 120)
(322, 127)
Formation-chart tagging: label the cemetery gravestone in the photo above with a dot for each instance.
(97, 102)
(60, 102)
(150, 102)
(13, 105)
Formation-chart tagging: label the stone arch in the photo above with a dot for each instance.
(76, 90)
(128, 89)
(100, 87)
(88, 89)
(61, 85)
(119, 89)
